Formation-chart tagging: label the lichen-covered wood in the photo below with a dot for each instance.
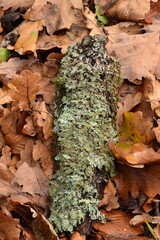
(85, 108)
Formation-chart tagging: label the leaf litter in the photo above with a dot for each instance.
(37, 45)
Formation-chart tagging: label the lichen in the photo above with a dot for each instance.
(85, 108)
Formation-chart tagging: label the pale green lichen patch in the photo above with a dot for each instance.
(85, 109)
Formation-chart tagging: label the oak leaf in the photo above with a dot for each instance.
(117, 227)
(128, 10)
(12, 66)
(5, 96)
(57, 16)
(137, 53)
(138, 181)
(22, 4)
(24, 88)
(32, 179)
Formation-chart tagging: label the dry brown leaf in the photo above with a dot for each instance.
(5, 181)
(22, 4)
(157, 131)
(43, 153)
(8, 121)
(29, 128)
(6, 155)
(43, 229)
(91, 22)
(32, 179)
(46, 42)
(77, 236)
(134, 155)
(57, 16)
(138, 181)
(44, 119)
(118, 227)
(28, 32)
(24, 88)
(153, 91)
(130, 10)
(12, 66)
(16, 142)
(9, 228)
(137, 53)
(109, 200)
(4, 95)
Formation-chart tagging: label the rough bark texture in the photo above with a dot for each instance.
(85, 108)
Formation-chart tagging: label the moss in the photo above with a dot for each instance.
(85, 109)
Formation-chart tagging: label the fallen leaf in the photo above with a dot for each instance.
(77, 236)
(118, 227)
(42, 153)
(43, 229)
(57, 16)
(44, 119)
(28, 32)
(5, 95)
(6, 155)
(109, 200)
(16, 142)
(9, 228)
(91, 22)
(137, 53)
(32, 179)
(24, 88)
(22, 4)
(136, 128)
(154, 91)
(29, 128)
(134, 154)
(138, 181)
(128, 10)
(12, 66)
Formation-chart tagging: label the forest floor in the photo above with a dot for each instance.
(35, 35)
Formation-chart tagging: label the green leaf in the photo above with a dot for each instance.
(151, 230)
(4, 54)
(100, 17)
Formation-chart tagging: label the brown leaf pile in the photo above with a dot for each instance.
(38, 32)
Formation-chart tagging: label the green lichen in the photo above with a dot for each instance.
(85, 109)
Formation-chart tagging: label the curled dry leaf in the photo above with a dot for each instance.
(132, 147)
(9, 228)
(16, 142)
(109, 200)
(6, 155)
(134, 155)
(138, 181)
(29, 128)
(24, 88)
